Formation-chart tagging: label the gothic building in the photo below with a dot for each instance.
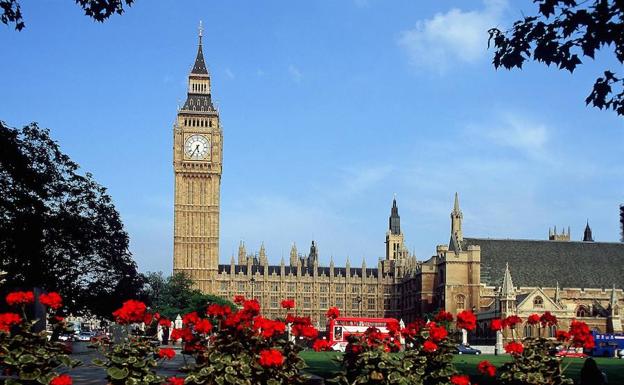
(566, 277)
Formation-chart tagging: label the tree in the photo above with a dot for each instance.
(98, 10)
(562, 32)
(175, 295)
(59, 230)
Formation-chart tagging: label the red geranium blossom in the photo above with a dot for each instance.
(271, 357)
(514, 348)
(437, 333)
(466, 320)
(216, 310)
(548, 319)
(268, 328)
(175, 381)
(9, 319)
(52, 300)
(63, 379)
(430, 346)
(333, 312)
(131, 311)
(164, 322)
(167, 353)
(20, 298)
(184, 334)
(458, 379)
(190, 318)
(443, 316)
(512, 321)
(562, 335)
(393, 327)
(252, 307)
(288, 303)
(496, 325)
(533, 319)
(581, 335)
(239, 299)
(485, 367)
(320, 345)
(203, 326)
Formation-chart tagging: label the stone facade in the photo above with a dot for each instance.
(466, 273)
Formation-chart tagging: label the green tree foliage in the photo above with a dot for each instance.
(175, 295)
(59, 230)
(98, 10)
(562, 33)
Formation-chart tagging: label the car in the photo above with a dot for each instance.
(84, 336)
(467, 349)
(571, 352)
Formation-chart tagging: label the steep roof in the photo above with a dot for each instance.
(543, 263)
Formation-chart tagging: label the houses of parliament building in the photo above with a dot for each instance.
(492, 277)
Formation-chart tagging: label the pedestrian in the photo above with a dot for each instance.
(591, 374)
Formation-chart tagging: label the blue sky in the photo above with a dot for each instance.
(328, 108)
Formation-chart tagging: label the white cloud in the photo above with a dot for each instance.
(512, 131)
(454, 36)
(295, 73)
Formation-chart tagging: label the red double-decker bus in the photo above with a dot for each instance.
(339, 329)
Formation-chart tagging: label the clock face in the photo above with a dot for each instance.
(197, 147)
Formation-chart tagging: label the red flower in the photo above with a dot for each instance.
(271, 357)
(320, 345)
(430, 346)
(562, 335)
(443, 316)
(512, 321)
(333, 312)
(217, 310)
(203, 326)
(175, 381)
(437, 333)
(190, 318)
(548, 319)
(268, 328)
(148, 318)
(9, 319)
(52, 300)
(288, 304)
(533, 319)
(131, 311)
(239, 299)
(164, 322)
(63, 379)
(252, 307)
(466, 320)
(460, 379)
(393, 327)
(514, 348)
(581, 335)
(167, 353)
(184, 334)
(485, 367)
(496, 325)
(20, 298)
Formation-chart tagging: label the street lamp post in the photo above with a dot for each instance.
(359, 301)
(253, 284)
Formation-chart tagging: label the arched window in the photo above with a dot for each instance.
(460, 301)
(538, 302)
(527, 330)
(552, 331)
(582, 311)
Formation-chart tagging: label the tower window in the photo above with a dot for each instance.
(582, 311)
(460, 301)
(538, 302)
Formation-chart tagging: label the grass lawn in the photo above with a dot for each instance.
(323, 364)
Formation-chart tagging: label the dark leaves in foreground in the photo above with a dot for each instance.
(562, 33)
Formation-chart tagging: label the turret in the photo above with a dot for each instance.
(293, 255)
(587, 234)
(242, 254)
(263, 257)
(456, 221)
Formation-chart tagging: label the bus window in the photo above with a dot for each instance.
(338, 333)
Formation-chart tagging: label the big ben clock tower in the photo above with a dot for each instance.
(197, 159)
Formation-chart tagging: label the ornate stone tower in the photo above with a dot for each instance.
(395, 248)
(197, 160)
